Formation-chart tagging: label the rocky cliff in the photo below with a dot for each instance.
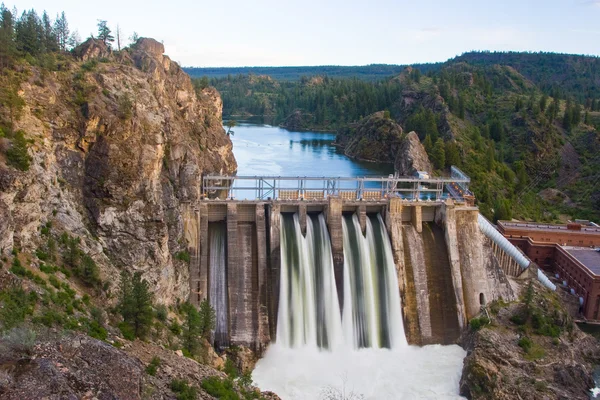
(119, 143)
(529, 349)
(379, 138)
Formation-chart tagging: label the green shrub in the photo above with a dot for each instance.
(48, 269)
(175, 328)
(17, 155)
(125, 107)
(127, 331)
(97, 331)
(89, 65)
(183, 256)
(161, 313)
(478, 323)
(49, 317)
(153, 366)
(525, 343)
(54, 281)
(42, 255)
(230, 369)
(183, 391)
(220, 388)
(16, 304)
(17, 268)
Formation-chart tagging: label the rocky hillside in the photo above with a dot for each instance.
(529, 349)
(117, 142)
(379, 138)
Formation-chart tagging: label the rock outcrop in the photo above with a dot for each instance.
(528, 352)
(411, 156)
(379, 138)
(119, 145)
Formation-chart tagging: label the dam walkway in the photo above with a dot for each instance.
(414, 188)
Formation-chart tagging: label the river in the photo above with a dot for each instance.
(268, 150)
(308, 372)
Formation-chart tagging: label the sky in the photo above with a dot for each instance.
(229, 33)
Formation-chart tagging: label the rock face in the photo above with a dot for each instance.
(411, 156)
(379, 138)
(517, 356)
(119, 146)
(75, 366)
(297, 121)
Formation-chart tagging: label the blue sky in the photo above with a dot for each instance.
(336, 32)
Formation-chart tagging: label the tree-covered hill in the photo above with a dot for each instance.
(371, 72)
(577, 76)
(529, 144)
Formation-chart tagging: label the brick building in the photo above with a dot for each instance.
(569, 251)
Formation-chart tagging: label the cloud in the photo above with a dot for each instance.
(593, 3)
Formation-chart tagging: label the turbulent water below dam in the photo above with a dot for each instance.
(361, 349)
(318, 348)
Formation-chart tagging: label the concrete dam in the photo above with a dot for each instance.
(342, 269)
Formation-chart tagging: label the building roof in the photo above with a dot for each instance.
(588, 257)
(586, 229)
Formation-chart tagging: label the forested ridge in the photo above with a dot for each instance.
(523, 125)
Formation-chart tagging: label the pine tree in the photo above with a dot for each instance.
(104, 33)
(49, 40)
(428, 144)
(192, 329)
(543, 103)
(7, 36)
(438, 154)
(452, 154)
(135, 303)
(61, 28)
(461, 106)
(586, 119)
(490, 157)
(208, 319)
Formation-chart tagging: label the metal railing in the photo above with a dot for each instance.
(314, 188)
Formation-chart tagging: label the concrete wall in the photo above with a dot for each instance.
(334, 223)
(254, 261)
(404, 272)
(482, 277)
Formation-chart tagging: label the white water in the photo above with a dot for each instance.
(299, 366)
(308, 311)
(218, 280)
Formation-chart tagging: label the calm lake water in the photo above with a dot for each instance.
(269, 150)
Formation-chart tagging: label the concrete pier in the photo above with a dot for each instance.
(334, 223)
(273, 272)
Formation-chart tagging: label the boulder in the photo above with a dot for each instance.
(150, 46)
(90, 49)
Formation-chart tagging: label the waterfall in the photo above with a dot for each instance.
(308, 309)
(366, 350)
(372, 316)
(218, 297)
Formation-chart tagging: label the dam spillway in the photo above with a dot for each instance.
(391, 266)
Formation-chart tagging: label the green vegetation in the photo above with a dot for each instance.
(183, 390)
(135, 306)
(17, 155)
(82, 265)
(478, 323)
(153, 366)
(220, 388)
(508, 133)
